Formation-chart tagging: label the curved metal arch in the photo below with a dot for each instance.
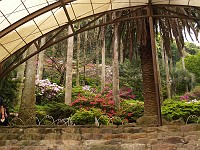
(32, 16)
(59, 29)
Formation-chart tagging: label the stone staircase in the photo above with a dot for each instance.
(185, 137)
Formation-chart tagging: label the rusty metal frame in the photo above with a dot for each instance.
(32, 16)
(67, 15)
(88, 27)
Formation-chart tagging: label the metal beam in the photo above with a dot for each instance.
(67, 15)
(155, 63)
(32, 16)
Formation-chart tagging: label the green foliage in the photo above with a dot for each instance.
(59, 110)
(174, 110)
(192, 64)
(130, 76)
(131, 110)
(191, 48)
(41, 111)
(79, 90)
(91, 81)
(83, 116)
(180, 79)
(9, 91)
(117, 120)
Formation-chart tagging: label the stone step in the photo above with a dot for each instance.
(25, 148)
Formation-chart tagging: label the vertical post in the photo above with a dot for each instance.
(155, 63)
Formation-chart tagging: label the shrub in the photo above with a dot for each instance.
(131, 76)
(84, 91)
(83, 116)
(194, 94)
(174, 110)
(124, 93)
(90, 81)
(104, 103)
(40, 112)
(131, 110)
(9, 91)
(59, 110)
(48, 92)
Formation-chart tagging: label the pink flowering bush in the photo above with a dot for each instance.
(48, 92)
(129, 112)
(124, 93)
(104, 103)
(184, 97)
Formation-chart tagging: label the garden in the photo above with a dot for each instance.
(90, 105)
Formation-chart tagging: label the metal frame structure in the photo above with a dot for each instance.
(90, 25)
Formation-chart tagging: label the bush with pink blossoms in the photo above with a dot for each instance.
(104, 103)
(48, 92)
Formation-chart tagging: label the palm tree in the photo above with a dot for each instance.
(170, 28)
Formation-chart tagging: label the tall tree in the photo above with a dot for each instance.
(115, 65)
(84, 54)
(41, 60)
(68, 84)
(20, 77)
(78, 57)
(168, 82)
(27, 107)
(103, 56)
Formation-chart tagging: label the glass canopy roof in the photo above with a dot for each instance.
(22, 21)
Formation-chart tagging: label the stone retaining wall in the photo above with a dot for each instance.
(185, 137)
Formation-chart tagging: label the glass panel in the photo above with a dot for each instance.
(34, 5)
(14, 10)
(81, 8)
(61, 16)
(120, 4)
(3, 53)
(27, 29)
(179, 2)
(18, 46)
(101, 6)
(46, 22)
(70, 12)
(194, 3)
(12, 47)
(4, 23)
(51, 1)
(140, 2)
(8, 39)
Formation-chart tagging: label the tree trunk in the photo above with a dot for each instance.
(41, 60)
(20, 77)
(27, 108)
(84, 57)
(121, 51)
(103, 58)
(97, 51)
(149, 93)
(68, 85)
(116, 67)
(183, 65)
(78, 58)
(168, 84)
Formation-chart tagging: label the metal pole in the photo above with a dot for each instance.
(155, 63)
